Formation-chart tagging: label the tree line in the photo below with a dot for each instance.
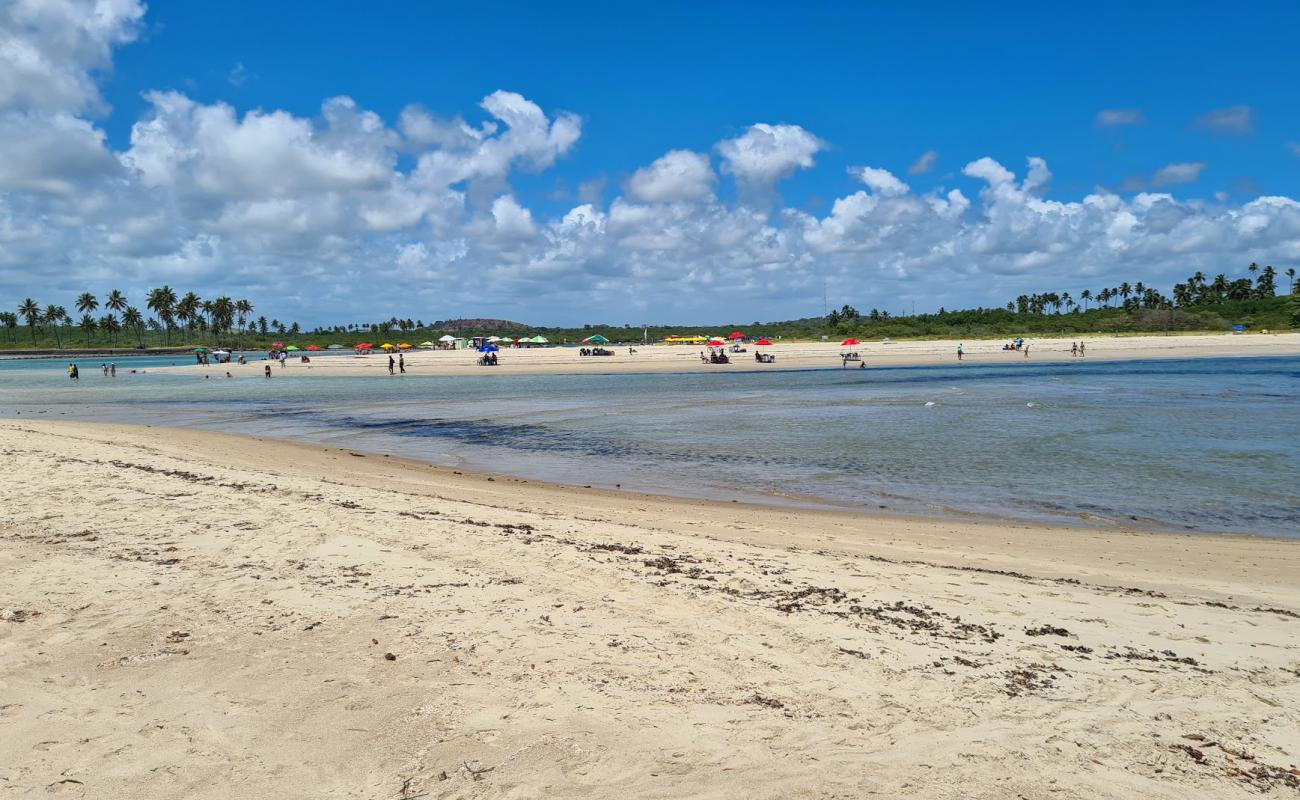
(171, 312)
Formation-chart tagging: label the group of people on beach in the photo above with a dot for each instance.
(1076, 349)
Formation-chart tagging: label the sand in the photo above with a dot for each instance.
(789, 356)
(195, 615)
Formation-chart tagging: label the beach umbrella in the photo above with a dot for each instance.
(761, 342)
(716, 342)
(597, 339)
(364, 346)
(335, 347)
(277, 345)
(488, 348)
(293, 348)
(539, 340)
(736, 335)
(200, 349)
(404, 346)
(387, 346)
(848, 342)
(312, 347)
(494, 338)
(427, 344)
(446, 337)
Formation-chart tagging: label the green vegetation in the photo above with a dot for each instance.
(1198, 304)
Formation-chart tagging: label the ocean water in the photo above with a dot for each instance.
(1185, 445)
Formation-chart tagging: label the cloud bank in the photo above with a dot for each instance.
(345, 216)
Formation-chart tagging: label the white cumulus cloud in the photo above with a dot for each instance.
(677, 175)
(766, 153)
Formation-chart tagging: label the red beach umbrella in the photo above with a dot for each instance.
(277, 345)
(848, 342)
(716, 343)
(736, 335)
(761, 342)
(364, 346)
(312, 347)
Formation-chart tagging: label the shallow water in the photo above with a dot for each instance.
(1206, 444)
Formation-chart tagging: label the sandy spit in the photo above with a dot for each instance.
(195, 615)
(792, 356)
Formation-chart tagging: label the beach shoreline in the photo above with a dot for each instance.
(188, 611)
(790, 357)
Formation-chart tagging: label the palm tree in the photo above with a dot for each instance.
(132, 319)
(187, 309)
(108, 324)
(1125, 290)
(116, 301)
(244, 309)
(162, 301)
(10, 320)
(1290, 277)
(86, 303)
(31, 312)
(1252, 269)
(1085, 296)
(88, 325)
(54, 316)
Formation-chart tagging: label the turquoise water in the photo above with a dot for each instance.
(1201, 445)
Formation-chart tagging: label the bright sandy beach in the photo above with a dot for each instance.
(789, 356)
(198, 615)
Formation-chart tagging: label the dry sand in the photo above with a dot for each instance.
(792, 356)
(195, 615)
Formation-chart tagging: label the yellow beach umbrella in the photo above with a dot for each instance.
(387, 346)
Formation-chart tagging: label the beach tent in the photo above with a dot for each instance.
(488, 348)
(597, 339)
(761, 343)
(335, 347)
(736, 335)
(312, 347)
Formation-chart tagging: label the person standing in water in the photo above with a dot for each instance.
(73, 374)
(268, 370)
(112, 370)
(959, 352)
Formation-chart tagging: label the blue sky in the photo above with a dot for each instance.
(1183, 115)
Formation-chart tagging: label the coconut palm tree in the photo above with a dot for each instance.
(1085, 296)
(244, 309)
(188, 309)
(116, 301)
(10, 320)
(109, 324)
(87, 324)
(31, 312)
(1290, 277)
(162, 301)
(131, 318)
(86, 303)
(54, 316)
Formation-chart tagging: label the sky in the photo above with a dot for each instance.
(669, 163)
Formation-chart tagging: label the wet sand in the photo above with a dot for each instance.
(192, 614)
(789, 356)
